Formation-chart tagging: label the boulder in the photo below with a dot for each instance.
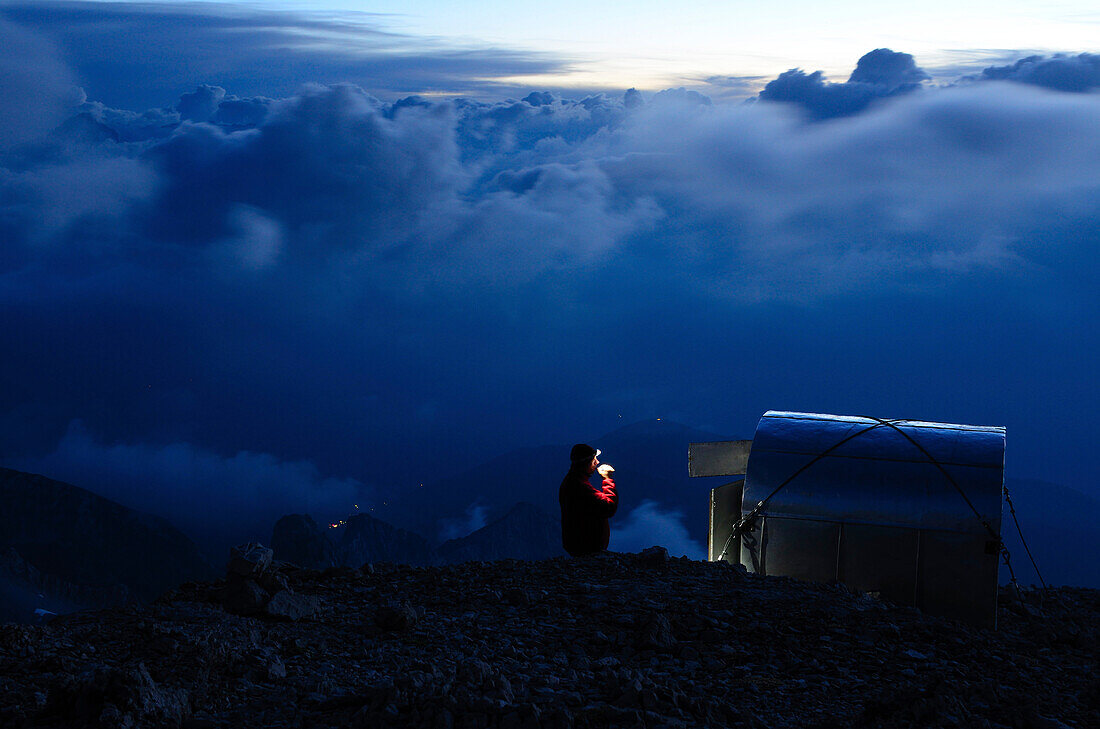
(249, 560)
(653, 557)
(117, 696)
(286, 605)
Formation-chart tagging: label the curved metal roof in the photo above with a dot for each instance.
(905, 473)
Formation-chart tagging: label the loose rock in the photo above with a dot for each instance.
(601, 642)
(284, 604)
(249, 560)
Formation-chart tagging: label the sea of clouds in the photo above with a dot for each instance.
(333, 291)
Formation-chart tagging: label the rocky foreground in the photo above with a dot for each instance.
(613, 641)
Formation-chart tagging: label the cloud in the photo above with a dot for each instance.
(1060, 72)
(391, 290)
(328, 165)
(889, 70)
(77, 193)
(733, 87)
(234, 111)
(880, 74)
(217, 500)
(36, 88)
(474, 518)
(648, 525)
(681, 96)
(200, 104)
(257, 240)
(141, 55)
(908, 196)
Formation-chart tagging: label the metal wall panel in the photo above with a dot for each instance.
(800, 548)
(725, 508)
(880, 559)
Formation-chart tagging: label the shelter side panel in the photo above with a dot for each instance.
(880, 559)
(800, 548)
(725, 508)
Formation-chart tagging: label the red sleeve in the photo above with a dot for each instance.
(609, 500)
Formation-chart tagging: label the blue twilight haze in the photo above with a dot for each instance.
(225, 280)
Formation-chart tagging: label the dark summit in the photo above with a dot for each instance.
(617, 640)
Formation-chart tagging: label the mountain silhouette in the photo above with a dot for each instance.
(65, 548)
(525, 532)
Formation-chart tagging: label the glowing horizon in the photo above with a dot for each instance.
(662, 45)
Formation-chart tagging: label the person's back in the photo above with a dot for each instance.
(585, 509)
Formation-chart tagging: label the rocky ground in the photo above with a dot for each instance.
(612, 641)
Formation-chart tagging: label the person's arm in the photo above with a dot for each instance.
(607, 498)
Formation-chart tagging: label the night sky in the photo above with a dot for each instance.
(255, 255)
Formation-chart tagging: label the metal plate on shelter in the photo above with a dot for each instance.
(720, 458)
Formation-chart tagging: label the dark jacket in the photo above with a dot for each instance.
(585, 510)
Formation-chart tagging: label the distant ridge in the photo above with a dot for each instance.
(66, 548)
(367, 539)
(524, 532)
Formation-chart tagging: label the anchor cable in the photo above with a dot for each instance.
(1005, 555)
(1023, 541)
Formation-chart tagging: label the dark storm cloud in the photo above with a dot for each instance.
(880, 74)
(1078, 73)
(380, 293)
(135, 55)
(889, 70)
